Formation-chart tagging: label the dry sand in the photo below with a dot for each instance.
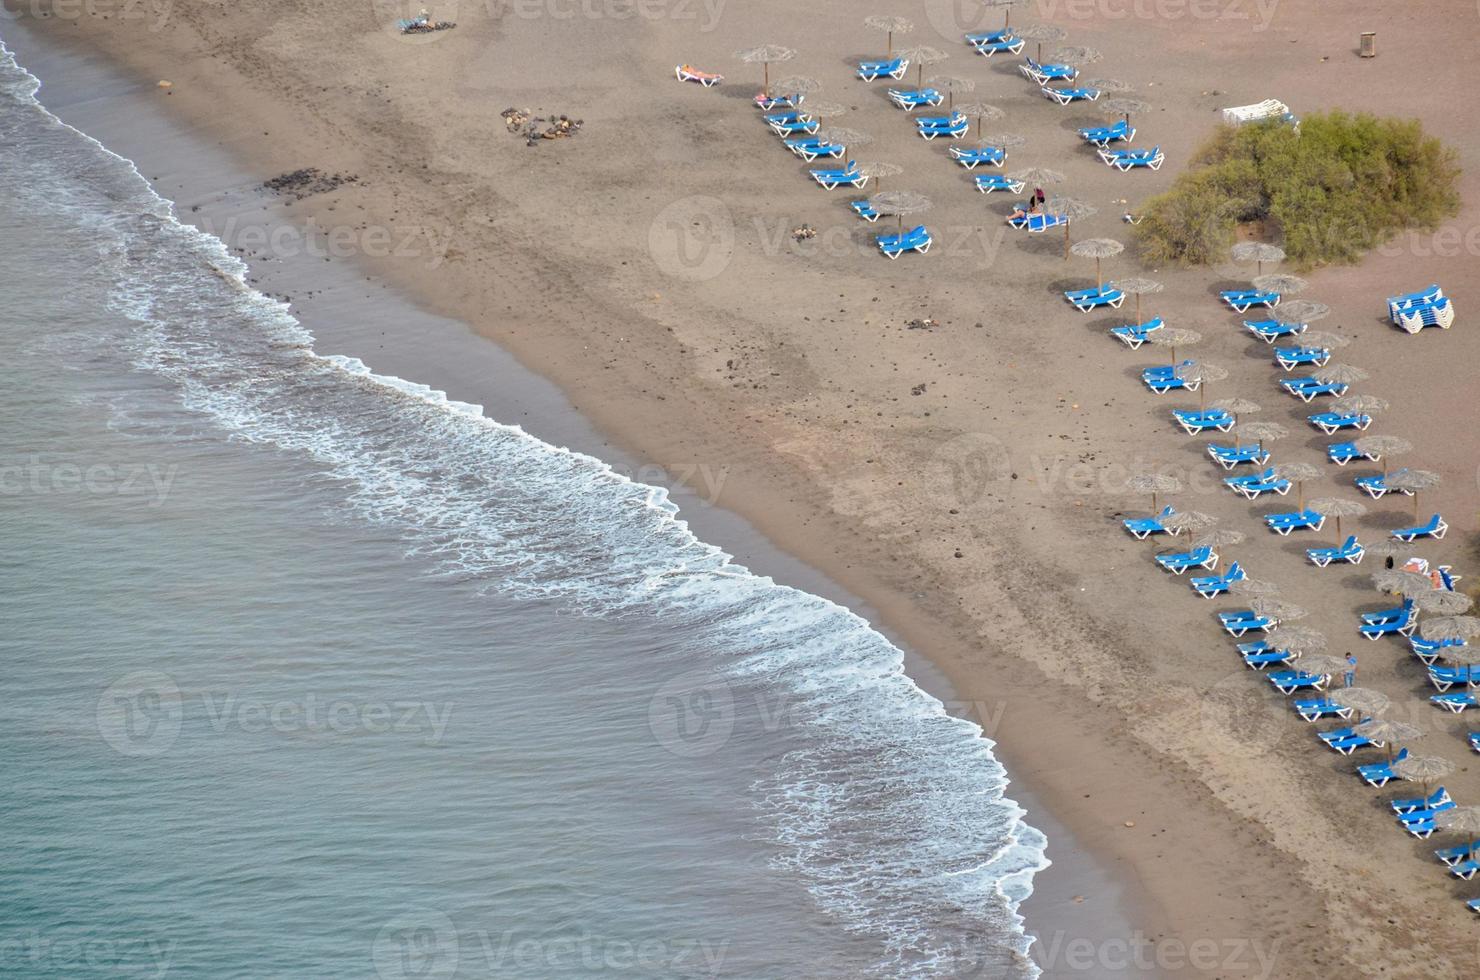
(981, 516)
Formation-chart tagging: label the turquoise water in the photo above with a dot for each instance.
(314, 673)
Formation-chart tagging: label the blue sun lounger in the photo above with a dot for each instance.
(1351, 552)
(782, 118)
(803, 125)
(1172, 377)
(987, 48)
(1379, 774)
(894, 68)
(835, 178)
(1245, 621)
(1330, 422)
(1434, 527)
(1300, 520)
(1124, 160)
(1209, 586)
(1261, 653)
(1194, 421)
(1179, 562)
(1242, 299)
(1439, 796)
(1346, 740)
(917, 239)
(1443, 678)
(1475, 741)
(1404, 624)
(1043, 74)
(1143, 527)
(1287, 682)
(1271, 330)
(953, 128)
(1397, 304)
(1105, 294)
(988, 37)
(1290, 358)
(1458, 853)
(1456, 701)
(1420, 823)
(766, 103)
(1255, 485)
(811, 148)
(971, 157)
(864, 210)
(987, 183)
(1316, 708)
(1375, 485)
(1103, 136)
(1342, 453)
(911, 99)
(1037, 223)
(1308, 389)
(1133, 335)
(1230, 456)
(1389, 615)
(1063, 96)
(1439, 313)
(1427, 651)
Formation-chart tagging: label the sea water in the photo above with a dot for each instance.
(313, 672)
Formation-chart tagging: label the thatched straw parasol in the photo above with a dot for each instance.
(1174, 337)
(1138, 287)
(1421, 769)
(876, 171)
(1121, 105)
(1324, 339)
(1097, 249)
(1338, 507)
(1341, 374)
(952, 84)
(1188, 520)
(899, 204)
(1442, 602)
(1261, 432)
(980, 111)
(1071, 208)
(1298, 639)
(920, 56)
(1073, 54)
(1379, 447)
(847, 138)
(766, 55)
(1277, 609)
(1359, 404)
(1296, 473)
(1205, 375)
(1450, 627)
(1006, 6)
(1280, 282)
(1464, 820)
(1255, 587)
(1303, 311)
(1414, 482)
(1366, 702)
(824, 110)
(1111, 85)
(890, 26)
(1040, 33)
(1154, 484)
(798, 85)
(1003, 141)
(1259, 253)
(1034, 176)
(1396, 581)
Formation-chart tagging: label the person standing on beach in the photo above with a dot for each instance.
(1351, 669)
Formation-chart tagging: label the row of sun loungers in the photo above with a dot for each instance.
(988, 43)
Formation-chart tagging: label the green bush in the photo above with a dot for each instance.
(1339, 186)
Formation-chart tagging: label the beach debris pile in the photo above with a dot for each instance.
(306, 182)
(926, 324)
(534, 128)
(803, 232)
(423, 23)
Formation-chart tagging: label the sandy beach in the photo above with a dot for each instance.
(963, 481)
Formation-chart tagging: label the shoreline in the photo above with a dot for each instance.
(1267, 843)
(340, 308)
